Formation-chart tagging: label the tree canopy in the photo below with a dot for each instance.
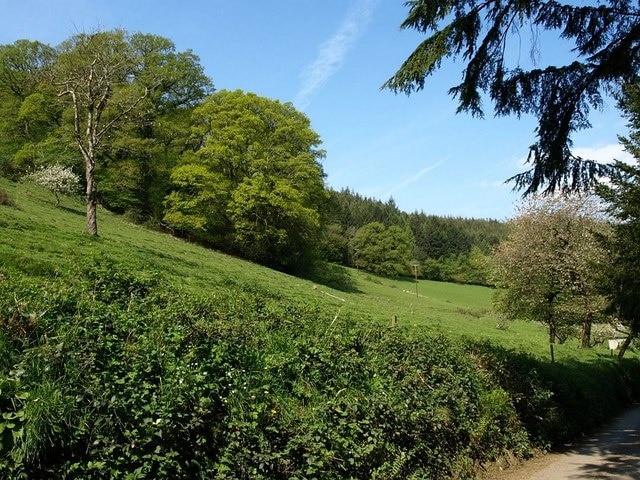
(115, 98)
(383, 250)
(27, 110)
(106, 78)
(546, 269)
(254, 183)
(606, 40)
(447, 248)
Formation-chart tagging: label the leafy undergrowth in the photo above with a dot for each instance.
(138, 356)
(116, 375)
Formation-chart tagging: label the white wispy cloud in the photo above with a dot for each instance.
(600, 153)
(604, 153)
(333, 52)
(412, 179)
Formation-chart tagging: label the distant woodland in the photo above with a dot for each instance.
(144, 131)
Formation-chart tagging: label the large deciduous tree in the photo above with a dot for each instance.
(27, 111)
(606, 40)
(546, 270)
(383, 250)
(621, 279)
(111, 79)
(136, 164)
(23, 65)
(254, 183)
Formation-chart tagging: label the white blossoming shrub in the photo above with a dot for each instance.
(60, 180)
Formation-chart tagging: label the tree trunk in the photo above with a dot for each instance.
(624, 346)
(92, 200)
(586, 331)
(552, 340)
(627, 341)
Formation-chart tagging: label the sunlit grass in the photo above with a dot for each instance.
(40, 239)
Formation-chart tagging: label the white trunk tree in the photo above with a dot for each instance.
(97, 73)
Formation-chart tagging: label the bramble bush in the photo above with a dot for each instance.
(113, 374)
(557, 402)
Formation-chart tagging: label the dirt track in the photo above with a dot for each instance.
(612, 454)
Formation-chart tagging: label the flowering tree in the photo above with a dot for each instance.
(546, 268)
(60, 180)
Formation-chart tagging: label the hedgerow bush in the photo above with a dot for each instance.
(114, 374)
(556, 402)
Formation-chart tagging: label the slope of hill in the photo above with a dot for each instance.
(137, 355)
(41, 239)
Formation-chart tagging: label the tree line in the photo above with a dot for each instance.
(377, 236)
(143, 126)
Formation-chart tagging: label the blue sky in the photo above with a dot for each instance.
(330, 58)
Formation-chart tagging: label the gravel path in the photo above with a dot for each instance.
(612, 454)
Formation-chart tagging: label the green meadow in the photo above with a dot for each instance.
(139, 355)
(42, 239)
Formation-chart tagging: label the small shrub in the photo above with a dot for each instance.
(6, 200)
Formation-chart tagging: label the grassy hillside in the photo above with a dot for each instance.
(41, 239)
(138, 355)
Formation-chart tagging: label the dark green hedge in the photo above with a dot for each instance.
(116, 375)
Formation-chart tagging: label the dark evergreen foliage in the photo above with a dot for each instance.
(447, 248)
(621, 279)
(606, 36)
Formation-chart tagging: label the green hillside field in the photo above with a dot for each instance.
(40, 239)
(140, 355)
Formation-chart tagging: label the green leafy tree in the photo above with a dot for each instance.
(111, 81)
(335, 244)
(448, 248)
(606, 40)
(27, 110)
(383, 250)
(23, 67)
(545, 269)
(138, 159)
(255, 177)
(193, 204)
(621, 275)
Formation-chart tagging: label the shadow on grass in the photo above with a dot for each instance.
(333, 276)
(72, 210)
(563, 401)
